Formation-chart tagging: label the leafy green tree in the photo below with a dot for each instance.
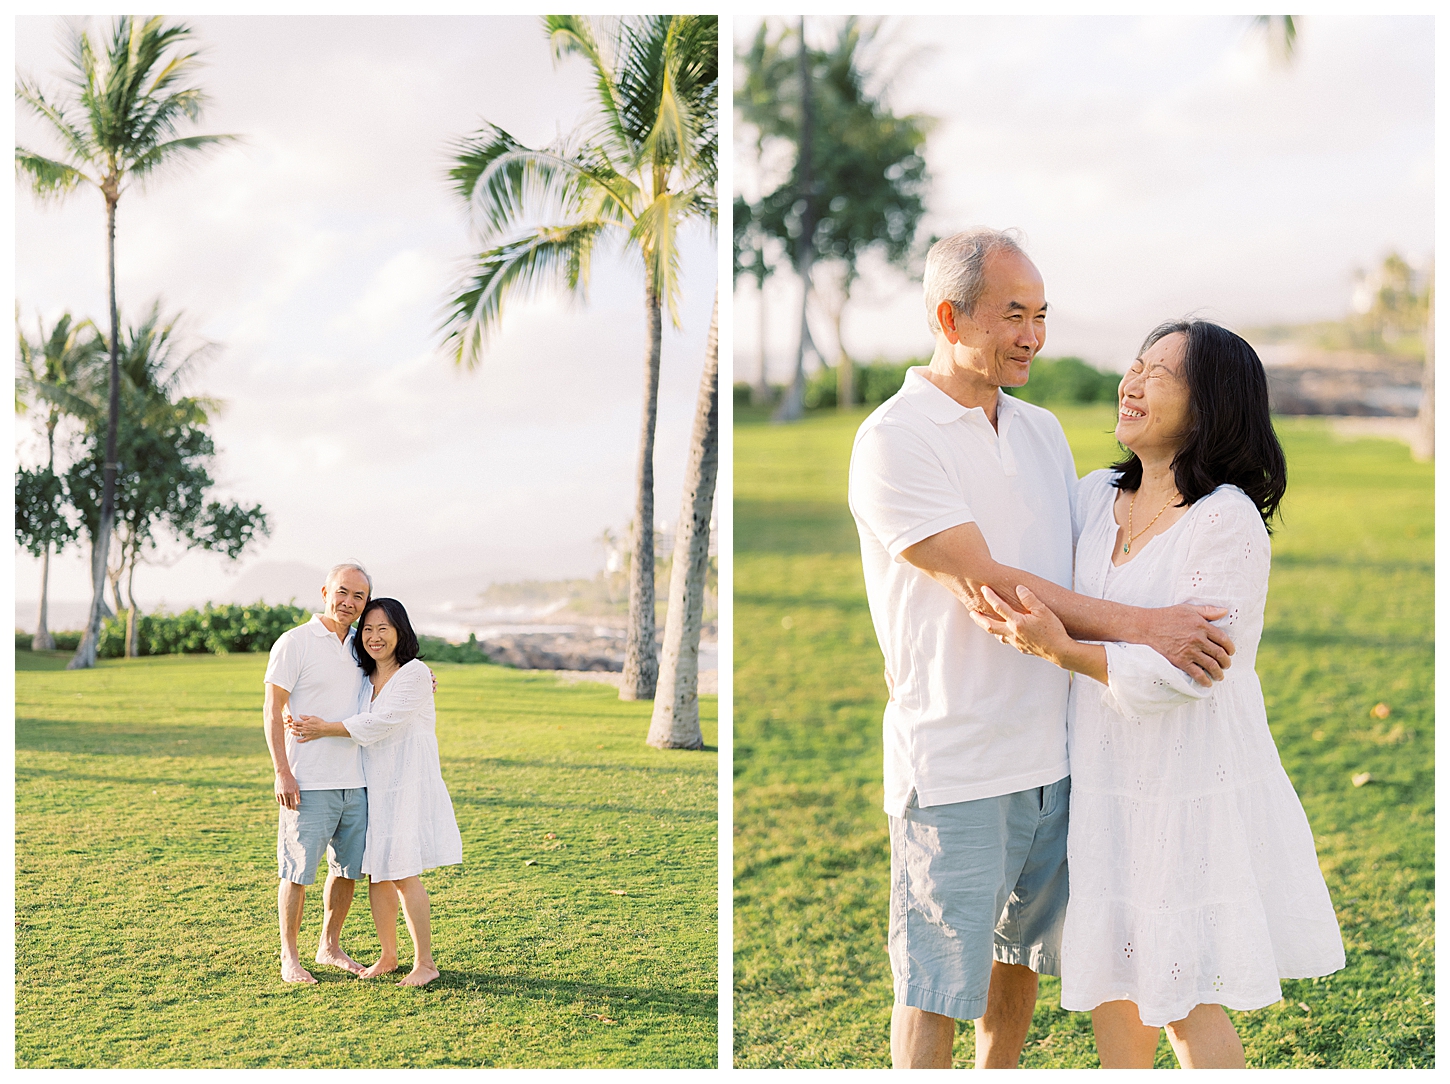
(638, 170)
(52, 373)
(164, 453)
(117, 126)
(859, 180)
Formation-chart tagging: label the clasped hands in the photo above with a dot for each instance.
(1182, 634)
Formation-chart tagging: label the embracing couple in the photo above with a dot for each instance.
(350, 725)
(1174, 872)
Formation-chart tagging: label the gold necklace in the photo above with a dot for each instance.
(1127, 546)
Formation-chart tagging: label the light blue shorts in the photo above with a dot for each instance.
(974, 882)
(334, 819)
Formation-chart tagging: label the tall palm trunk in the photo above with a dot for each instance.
(641, 662)
(675, 723)
(132, 629)
(42, 640)
(792, 404)
(85, 655)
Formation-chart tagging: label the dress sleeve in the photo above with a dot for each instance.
(395, 706)
(1226, 564)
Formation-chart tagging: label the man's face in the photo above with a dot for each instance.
(1009, 325)
(344, 596)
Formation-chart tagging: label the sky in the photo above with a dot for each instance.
(317, 254)
(1158, 165)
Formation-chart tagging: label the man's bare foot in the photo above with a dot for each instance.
(419, 976)
(335, 957)
(293, 971)
(382, 967)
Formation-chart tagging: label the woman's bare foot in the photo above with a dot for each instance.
(293, 971)
(382, 967)
(419, 976)
(335, 957)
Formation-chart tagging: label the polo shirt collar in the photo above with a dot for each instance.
(940, 407)
(319, 629)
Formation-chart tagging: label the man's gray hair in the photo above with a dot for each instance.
(336, 570)
(954, 268)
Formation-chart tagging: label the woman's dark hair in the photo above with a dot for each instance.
(1230, 439)
(407, 649)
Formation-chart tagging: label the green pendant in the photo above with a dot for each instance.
(1125, 546)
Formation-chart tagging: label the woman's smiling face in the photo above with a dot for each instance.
(379, 637)
(1153, 408)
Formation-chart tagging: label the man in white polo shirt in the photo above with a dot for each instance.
(955, 485)
(321, 794)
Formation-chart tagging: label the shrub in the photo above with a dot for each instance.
(64, 641)
(212, 630)
(436, 649)
(1067, 380)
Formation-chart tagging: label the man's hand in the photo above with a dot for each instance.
(1183, 636)
(285, 790)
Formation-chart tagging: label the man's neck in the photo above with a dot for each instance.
(336, 627)
(967, 387)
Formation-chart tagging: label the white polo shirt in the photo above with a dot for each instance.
(969, 717)
(322, 678)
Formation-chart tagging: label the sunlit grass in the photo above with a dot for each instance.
(580, 930)
(1349, 625)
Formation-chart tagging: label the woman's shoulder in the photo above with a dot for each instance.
(1096, 487)
(1230, 507)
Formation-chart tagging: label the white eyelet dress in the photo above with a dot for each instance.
(1192, 872)
(411, 827)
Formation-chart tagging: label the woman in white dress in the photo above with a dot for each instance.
(411, 827)
(1193, 879)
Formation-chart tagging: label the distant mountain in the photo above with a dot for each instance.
(277, 582)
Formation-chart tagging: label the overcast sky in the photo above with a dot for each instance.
(317, 254)
(1158, 165)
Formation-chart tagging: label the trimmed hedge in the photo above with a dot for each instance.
(1053, 380)
(225, 630)
(212, 630)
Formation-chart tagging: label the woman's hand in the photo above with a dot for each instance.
(309, 727)
(1036, 632)
(1039, 632)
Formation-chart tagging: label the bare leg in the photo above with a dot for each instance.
(1206, 1039)
(289, 918)
(336, 899)
(1124, 1041)
(921, 1039)
(383, 898)
(415, 913)
(1011, 997)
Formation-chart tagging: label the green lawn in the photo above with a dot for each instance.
(580, 930)
(1349, 625)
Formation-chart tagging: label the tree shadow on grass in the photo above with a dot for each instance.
(565, 992)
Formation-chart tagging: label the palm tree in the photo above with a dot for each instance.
(56, 370)
(120, 126)
(675, 722)
(639, 169)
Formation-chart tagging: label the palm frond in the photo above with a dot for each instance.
(549, 255)
(655, 234)
(49, 179)
(574, 35)
(75, 139)
(502, 181)
(170, 153)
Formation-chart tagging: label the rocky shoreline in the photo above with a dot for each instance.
(580, 650)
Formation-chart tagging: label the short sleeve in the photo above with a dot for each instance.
(284, 663)
(402, 697)
(900, 491)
